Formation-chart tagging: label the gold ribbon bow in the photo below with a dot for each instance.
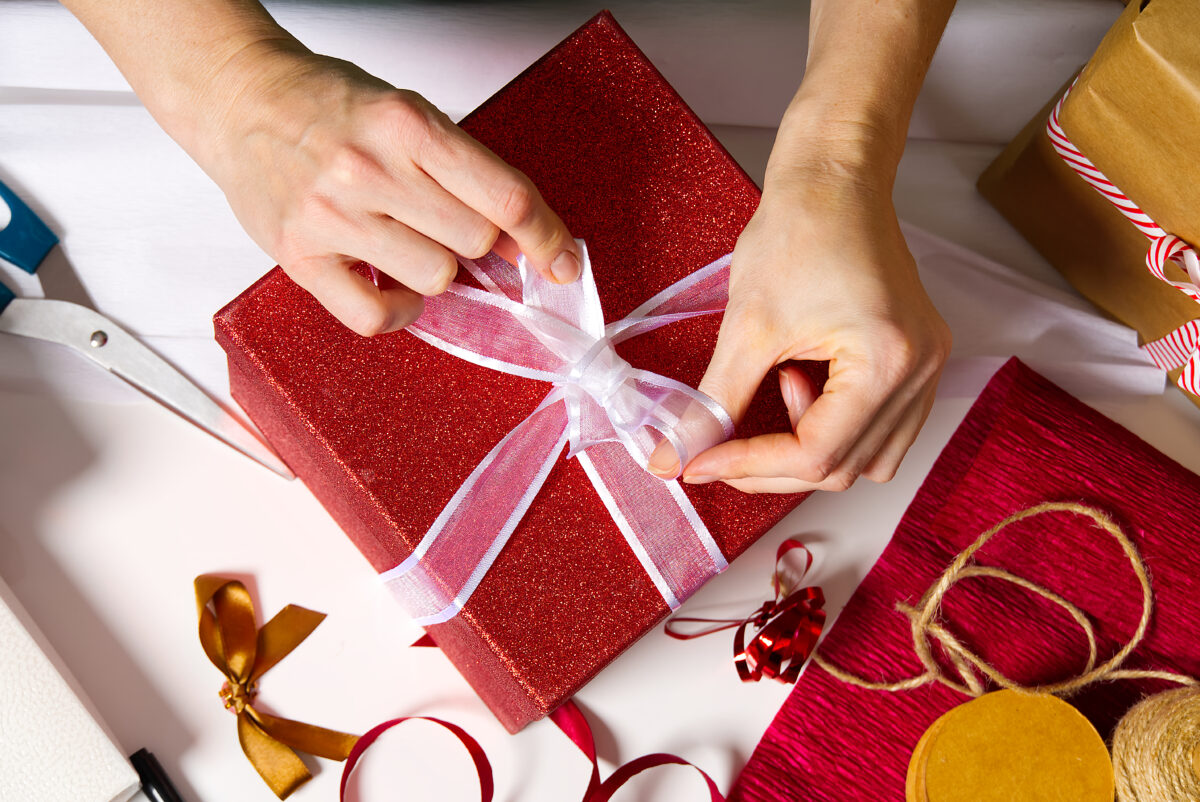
(243, 653)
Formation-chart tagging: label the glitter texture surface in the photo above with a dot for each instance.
(384, 430)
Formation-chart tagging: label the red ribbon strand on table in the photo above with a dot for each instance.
(483, 768)
(570, 719)
(788, 627)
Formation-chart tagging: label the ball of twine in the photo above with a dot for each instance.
(1154, 748)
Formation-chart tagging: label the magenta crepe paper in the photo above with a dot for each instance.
(1024, 441)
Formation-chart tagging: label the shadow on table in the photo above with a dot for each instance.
(42, 452)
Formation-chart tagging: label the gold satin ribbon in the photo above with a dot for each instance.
(243, 653)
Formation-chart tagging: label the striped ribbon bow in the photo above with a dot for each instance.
(1180, 348)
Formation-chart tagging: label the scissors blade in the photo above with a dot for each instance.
(114, 349)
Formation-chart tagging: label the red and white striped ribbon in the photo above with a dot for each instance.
(1180, 348)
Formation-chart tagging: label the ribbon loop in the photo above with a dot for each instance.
(612, 415)
(243, 653)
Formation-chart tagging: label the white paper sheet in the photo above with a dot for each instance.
(52, 749)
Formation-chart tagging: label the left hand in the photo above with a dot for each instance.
(822, 272)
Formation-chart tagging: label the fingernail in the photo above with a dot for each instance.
(565, 268)
(663, 462)
(663, 470)
(785, 387)
(700, 480)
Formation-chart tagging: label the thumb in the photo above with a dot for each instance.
(733, 376)
(735, 371)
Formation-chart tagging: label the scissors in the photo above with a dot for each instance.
(24, 242)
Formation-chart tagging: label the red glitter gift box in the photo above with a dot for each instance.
(383, 430)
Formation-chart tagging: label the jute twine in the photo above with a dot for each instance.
(1154, 746)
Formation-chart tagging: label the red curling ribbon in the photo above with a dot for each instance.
(788, 627)
(483, 768)
(571, 721)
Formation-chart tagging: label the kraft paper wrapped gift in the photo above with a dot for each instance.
(1135, 113)
(384, 430)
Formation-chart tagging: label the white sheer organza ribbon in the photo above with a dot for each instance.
(612, 415)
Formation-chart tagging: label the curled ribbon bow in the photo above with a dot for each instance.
(612, 415)
(788, 627)
(243, 653)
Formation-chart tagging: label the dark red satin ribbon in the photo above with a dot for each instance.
(483, 768)
(570, 719)
(788, 628)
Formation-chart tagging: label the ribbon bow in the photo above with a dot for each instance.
(1180, 348)
(612, 415)
(788, 627)
(243, 653)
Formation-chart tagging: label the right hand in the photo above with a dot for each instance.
(326, 166)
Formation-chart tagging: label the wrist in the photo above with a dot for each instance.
(198, 105)
(241, 95)
(838, 141)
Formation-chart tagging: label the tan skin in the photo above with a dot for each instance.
(325, 165)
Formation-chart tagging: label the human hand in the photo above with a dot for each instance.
(325, 166)
(822, 272)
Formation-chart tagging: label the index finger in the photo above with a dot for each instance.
(506, 197)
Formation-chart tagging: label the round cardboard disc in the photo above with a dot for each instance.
(914, 782)
(1011, 746)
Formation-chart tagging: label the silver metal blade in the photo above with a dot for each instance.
(114, 349)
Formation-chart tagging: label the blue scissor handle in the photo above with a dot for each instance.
(26, 240)
(6, 296)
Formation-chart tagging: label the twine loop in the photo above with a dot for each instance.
(969, 669)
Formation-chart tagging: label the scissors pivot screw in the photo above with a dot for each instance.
(99, 338)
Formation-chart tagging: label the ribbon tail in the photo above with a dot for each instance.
(1190, 378)
(438, 578)
(1179, 349)
(306, 738)
(574, 724)
(279, 766)
(658, 521)
(570, 719)
(283, 633)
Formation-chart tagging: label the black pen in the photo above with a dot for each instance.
(155, 783)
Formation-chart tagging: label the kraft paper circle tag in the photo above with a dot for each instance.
(1010, 746)
(914, 783)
